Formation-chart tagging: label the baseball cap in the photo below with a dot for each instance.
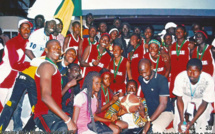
(169, 25)
(24, 21)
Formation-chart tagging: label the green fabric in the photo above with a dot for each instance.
(59, 7)
(77, 8)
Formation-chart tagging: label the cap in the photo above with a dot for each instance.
(155, 42)
(169, 25)
(113, 29)
(24, 21)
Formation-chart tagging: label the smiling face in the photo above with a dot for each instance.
(53, 50)
(114, 35)
(131, 88)
(25, 30)
(92, 32)
(106, 79)
(168, 40)
(104, 41)
(76, 29)
(50, 27)
(134, 40)
(103, 28)
(117, 51)
(70, 56)
(96, 84)
(153, 49)
(74, 72)
(193, 73)
(148, 33)
(145, 70)
(180, 33)
(199, 38)
(125, 30)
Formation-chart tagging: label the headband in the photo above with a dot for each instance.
(104, 73)
(155, 42)
(113, 29)
(200, 31)
(106, 35)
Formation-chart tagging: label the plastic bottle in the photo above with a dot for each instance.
(184, 126)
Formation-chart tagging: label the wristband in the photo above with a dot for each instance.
(91, 64)
(68, 120)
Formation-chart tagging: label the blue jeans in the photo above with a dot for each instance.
(23, 83)
(50, 122)
(17, 122)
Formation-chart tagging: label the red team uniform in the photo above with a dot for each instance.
(74, 43)
(161, 65)
(119, 83)
(178, 63)
(207, 60)
(41, 108)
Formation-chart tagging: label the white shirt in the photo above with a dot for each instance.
(37, 43)
(203, 89)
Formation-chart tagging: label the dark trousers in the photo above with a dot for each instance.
(50, 122)
(23, 82)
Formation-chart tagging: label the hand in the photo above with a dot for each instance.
(79, 77)
(114, 118)
(189, 124)
(179, 127)
(146, 127)
(71, 83)
(114, 99)
(72, 126)
(95, 63)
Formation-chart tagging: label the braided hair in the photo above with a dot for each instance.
(88, 83)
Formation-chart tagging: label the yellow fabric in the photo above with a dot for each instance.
(65, 14)
(9, 103)
(32, 109)
(1, 128)
(30, 71)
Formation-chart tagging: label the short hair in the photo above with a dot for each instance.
(181, 27)
(167, 34)
(194, 24)
(102, 23)
(149, 27)
(76, 22)
(117, 44)
(132, 81)
(117, 18)
(144, 60)
(127, 24)
(40, 16)
(93, 26)
(137, 35)
(53, 40)
(103, 70)
(89, 14)
(70, 66)
(195, 62)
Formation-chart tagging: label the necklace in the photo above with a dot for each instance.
(203, 51)
(106, 99)
(178, 51)
(115, 71)
(99, 54)
(132, 52)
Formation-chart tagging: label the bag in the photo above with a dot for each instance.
(100, 128)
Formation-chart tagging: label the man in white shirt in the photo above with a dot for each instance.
(193, 88)
(37, 40)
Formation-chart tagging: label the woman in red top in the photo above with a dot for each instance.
(203, 52)
(179, 54)
(119, 68)
(159, 65)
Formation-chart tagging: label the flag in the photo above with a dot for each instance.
(66, 10)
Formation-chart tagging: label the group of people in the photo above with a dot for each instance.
(76, 84)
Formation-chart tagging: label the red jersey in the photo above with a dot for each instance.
(134, 60)
(178, 63)
(118, 83)
(103, 63)
(41, 108)
(86, 42)
(161, 65)
(207, 60)
(105, 98)
(74, 43)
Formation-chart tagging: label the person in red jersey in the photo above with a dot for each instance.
(119, 68)
(203, 52)
(49, 115)
(134, 56)
(95, 57)
(73, 39)
(179, 55)
(159, 65)
(87, 41)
